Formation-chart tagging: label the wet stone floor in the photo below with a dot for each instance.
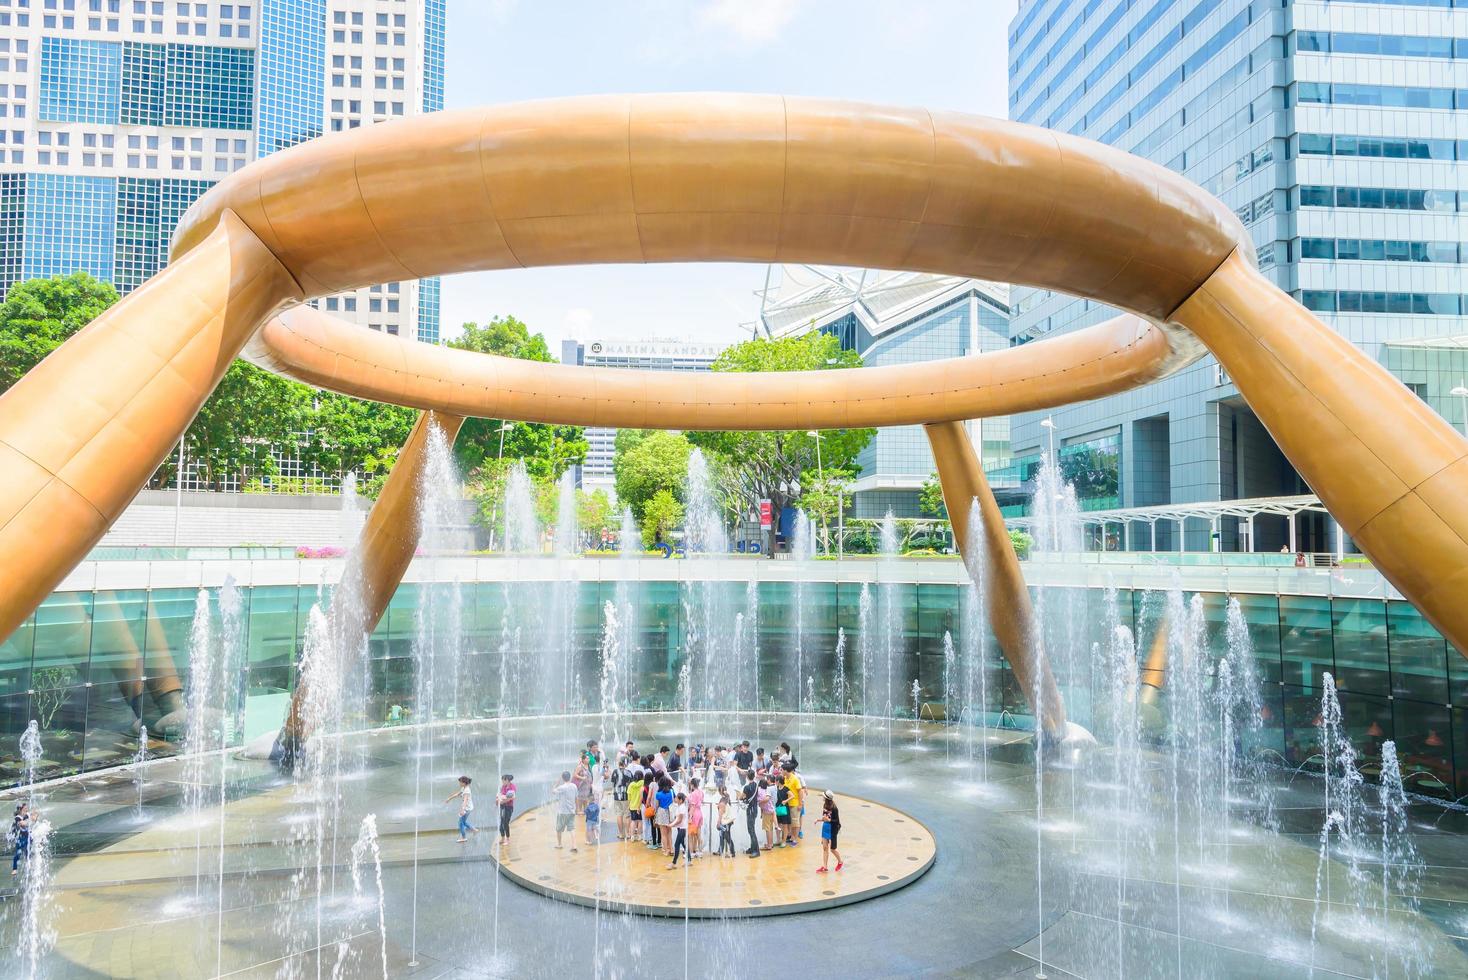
(156, 890)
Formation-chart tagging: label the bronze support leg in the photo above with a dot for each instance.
(377, 564)
(966, 490)
(1392, 471)
(84, 430)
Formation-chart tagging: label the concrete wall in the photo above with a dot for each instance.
(229, 520)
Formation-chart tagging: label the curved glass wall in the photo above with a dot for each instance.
(83, 664)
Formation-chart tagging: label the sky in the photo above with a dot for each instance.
(941, 54)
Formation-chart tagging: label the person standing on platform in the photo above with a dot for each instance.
(564, 796)
(782, 813)
(634, 806)
(650, 809)
(695, 819)
(830, 820)
(582, 780)
(726, 825)
(593, 821)
(506, 801)
(767, 811)
(744, 759)
(678, 817)
(664, 813)
(621, 779)
(750, 798)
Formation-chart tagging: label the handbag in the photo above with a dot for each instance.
(782, 810)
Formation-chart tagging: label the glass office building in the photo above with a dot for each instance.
(115, 115)
(1336, 131)
(895, 318)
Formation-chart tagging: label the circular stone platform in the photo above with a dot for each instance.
(885, 849)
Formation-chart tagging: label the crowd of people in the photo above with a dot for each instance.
(679, 800)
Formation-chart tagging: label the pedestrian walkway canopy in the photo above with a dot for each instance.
(1211, 511)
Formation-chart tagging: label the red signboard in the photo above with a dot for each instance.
(766, 515)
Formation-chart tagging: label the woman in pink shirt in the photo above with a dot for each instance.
(695, 818)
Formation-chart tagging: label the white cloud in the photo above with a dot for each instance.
(752, 21)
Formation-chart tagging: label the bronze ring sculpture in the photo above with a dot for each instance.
(719, 177)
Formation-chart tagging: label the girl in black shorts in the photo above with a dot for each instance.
(782, 813)
(830, 821)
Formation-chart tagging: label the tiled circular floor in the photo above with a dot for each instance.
(884, 849)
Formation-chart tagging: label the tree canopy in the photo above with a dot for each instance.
(930, 499)
(254, 416)
(661, 514)
(547, 449)
(647, 462)
(754, 465)
(40, 314)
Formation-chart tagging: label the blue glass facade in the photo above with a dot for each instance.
(70, 225)
(1397, 677)
(428, 309)
(12, 228)
(433, 28)
(429, 292)
(292, 66)
(894, 465)
(80, 80)
(209, 87)
(1333, 130)
(136, 84)
(138, 232)
(115, 228)
(144, 67)
(148, 209)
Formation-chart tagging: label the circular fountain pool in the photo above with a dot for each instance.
(283, 879)
(884, 850)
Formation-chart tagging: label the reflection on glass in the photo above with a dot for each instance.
(133, 646)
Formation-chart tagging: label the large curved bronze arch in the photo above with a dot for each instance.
(717, 177)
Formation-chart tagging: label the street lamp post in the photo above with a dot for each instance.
(820, 476)
(504, 427)
(1462, 392)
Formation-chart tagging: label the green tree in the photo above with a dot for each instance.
(344, 433)
(595, 515)
(40, 314)
(646, 462)
(251, 413)
(1022, 543)
(486, 488)
(547, 449)
(824, 496)
(930, 498)
(757, 464)
(660, 516)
